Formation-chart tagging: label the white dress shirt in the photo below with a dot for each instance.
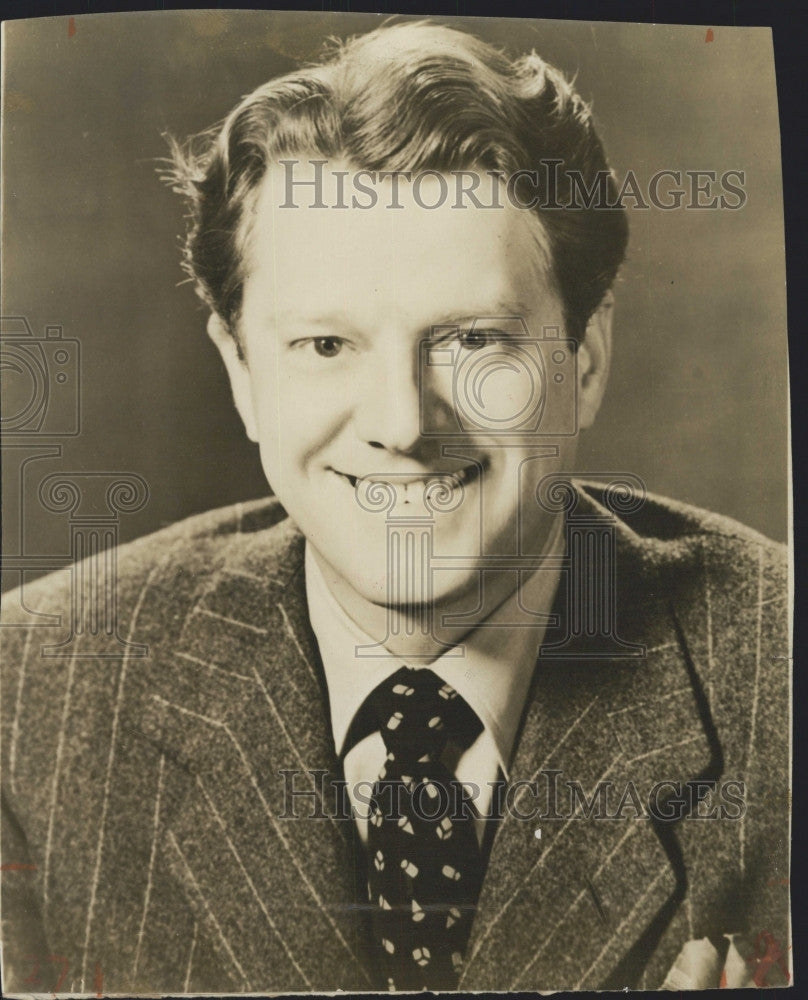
(493, 675)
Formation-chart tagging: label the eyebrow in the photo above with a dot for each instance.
(504, 309)
(287, 315)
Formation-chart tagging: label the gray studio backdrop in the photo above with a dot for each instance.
(697, 403)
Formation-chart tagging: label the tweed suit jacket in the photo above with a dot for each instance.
(146, 849)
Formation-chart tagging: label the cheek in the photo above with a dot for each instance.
(295, 425)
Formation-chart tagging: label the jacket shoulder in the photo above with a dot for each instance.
(726, 586)
(738, 570)
(51, 642)
(672, 537)
(191, 546)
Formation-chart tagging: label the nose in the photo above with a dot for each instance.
(388, 413)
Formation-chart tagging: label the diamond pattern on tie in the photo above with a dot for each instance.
(425, 869)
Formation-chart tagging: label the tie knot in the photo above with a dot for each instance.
(417, 712)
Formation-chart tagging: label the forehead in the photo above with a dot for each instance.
(376, 264)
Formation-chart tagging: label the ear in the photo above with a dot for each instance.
(237, 371)
(594, 359)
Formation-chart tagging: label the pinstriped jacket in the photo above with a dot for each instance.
(146, 849)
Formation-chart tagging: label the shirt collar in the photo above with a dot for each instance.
(493, 673)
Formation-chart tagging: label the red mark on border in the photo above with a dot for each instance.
(722, 982)
(768, 953)
(34, 980)
(63, 974)
(708, 38)
(71, 27)
(99, 981)
(14, 867)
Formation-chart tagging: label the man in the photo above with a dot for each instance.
(414, 332)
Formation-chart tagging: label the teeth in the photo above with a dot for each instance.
(467, 473)
(461, 477)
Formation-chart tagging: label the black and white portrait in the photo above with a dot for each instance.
(395, 489)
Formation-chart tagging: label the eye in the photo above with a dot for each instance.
(327, 347)
(479, 337)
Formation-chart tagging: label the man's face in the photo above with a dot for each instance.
(339, 393)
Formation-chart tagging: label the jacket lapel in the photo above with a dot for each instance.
(252, 837)
(584, 905)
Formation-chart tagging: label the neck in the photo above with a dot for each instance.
(418, 634)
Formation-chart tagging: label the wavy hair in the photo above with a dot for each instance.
(405, 97)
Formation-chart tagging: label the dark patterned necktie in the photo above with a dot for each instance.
(424, 859)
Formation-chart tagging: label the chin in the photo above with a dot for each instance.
(447, 589)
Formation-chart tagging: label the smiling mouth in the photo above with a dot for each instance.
(457, 478)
